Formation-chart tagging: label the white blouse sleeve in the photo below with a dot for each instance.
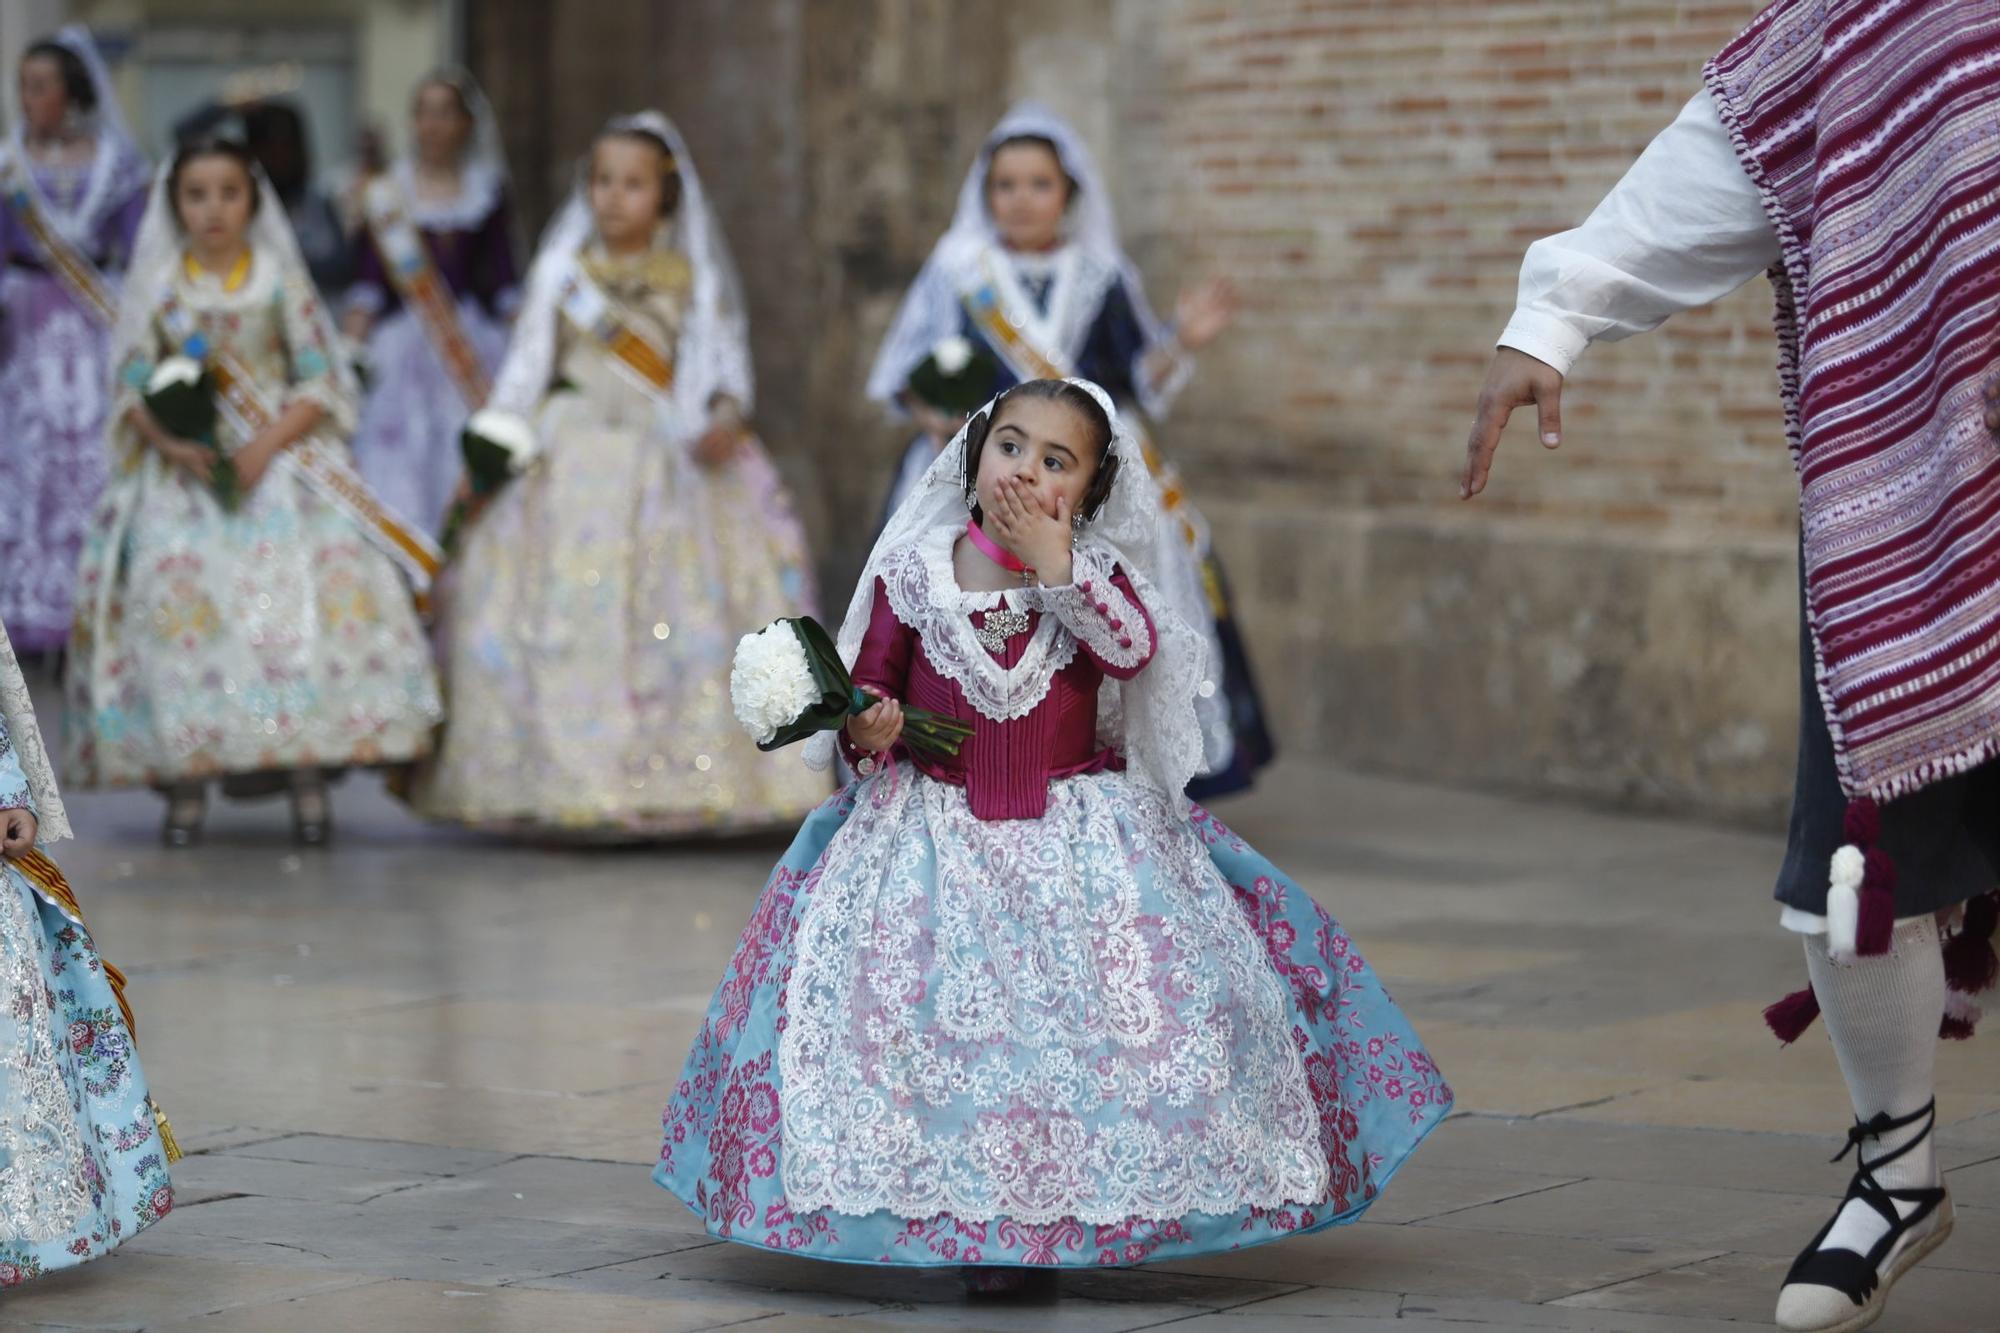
(1684, 228)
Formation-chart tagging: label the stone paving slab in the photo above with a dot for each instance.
(1323, 1303)
(1549, 1253)
(1618, 1212)
(1742, 1287)
(1503, 1314)
(453, 1246)
(1321, 1307)
(1724, 1159)
(209, 1176)
(134, 1288)
(420, 1076)
(1974, 1246)
(1976, 1185)
(1435, 1261)
(1104, 1300)
(443, 1308)
(1980, 1133)
(1423, 1192)
(416, 1159)
(611, 1194)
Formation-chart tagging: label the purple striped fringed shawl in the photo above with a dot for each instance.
(1872, 127)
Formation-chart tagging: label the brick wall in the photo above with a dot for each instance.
(1370, 174)
(1615, 621)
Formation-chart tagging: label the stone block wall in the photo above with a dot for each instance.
(1615, 621)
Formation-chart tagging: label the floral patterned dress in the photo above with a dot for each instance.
(82, 1168)
(273, 636)
(1017, 1008)
(592, 611)
(54, 386)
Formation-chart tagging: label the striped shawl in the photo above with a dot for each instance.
(1872, 127)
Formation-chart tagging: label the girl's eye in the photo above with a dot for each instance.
(1008, 447)
(1055, 464)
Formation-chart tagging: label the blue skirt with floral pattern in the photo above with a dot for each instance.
(1149, 969)
(80, 1153)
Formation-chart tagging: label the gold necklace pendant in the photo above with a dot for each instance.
(999, 625)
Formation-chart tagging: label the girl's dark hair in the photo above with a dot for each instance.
(670, 170)
(1033, 141)
(212, 145)
(76, 79)
(1077, 400)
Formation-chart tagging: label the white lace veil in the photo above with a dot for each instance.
(483, 167)
(156, 259)
(1149, 719)
(930, 311)
(714, 352)
(117, 166)
(19, 711)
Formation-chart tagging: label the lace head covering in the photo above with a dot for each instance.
(1149, 719)
(19, 711)
(930, 311)
(117, 167)
(156, 259)
(482, 167)
(714, 352)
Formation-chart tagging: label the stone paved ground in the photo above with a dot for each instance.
(418, 1077)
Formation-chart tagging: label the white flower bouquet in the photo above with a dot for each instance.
(180, 394)
(498, 446)
(787, 683)
(956, 378)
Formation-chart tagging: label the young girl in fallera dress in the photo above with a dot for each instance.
(1031, 271)
(1028, 1007)
(263, 638)
(592, 608)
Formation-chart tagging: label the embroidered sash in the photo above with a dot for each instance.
(71, 267)
(1010, 337)
(1016, 345)
(424, 290)
(584, 304)
(322, 469)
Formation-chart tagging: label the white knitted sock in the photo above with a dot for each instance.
(1882, 1013)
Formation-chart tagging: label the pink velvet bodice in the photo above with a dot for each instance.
(1006, 767)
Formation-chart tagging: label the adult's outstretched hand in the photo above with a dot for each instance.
(1515, 379)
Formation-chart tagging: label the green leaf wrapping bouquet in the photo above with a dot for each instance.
(788, 683)
(497, 446)
(181, 396)
(956, 378)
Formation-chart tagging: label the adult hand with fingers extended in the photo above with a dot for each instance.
(1515, 379)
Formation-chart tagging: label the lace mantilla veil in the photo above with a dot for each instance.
(714, 353)
(118, 166)
(19, 710)
(1149, 719)
(931, 310)
(156, 260)
(483, 166)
